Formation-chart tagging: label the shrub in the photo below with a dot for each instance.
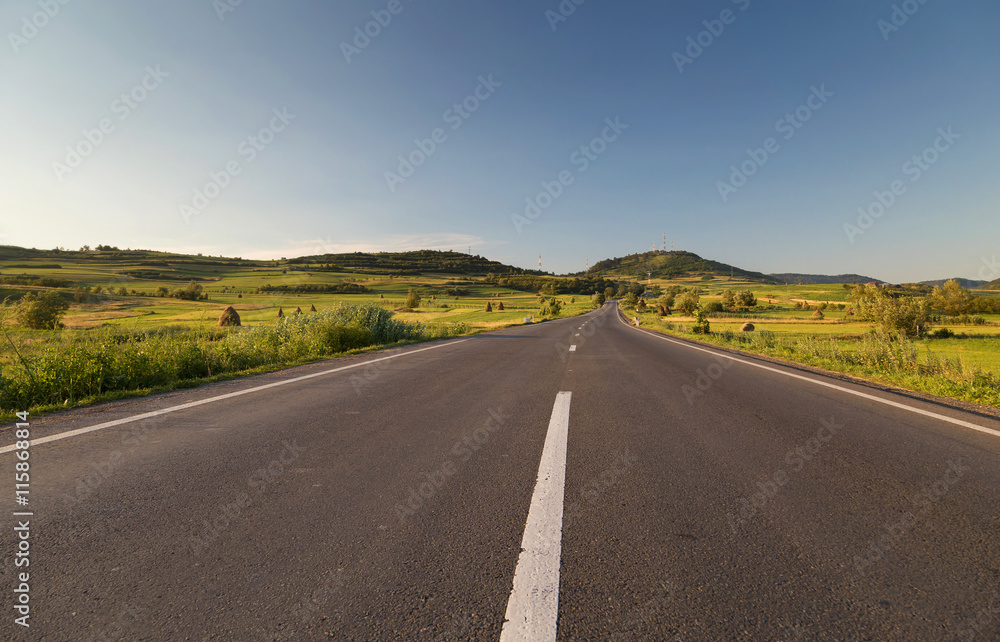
(40, 312)
(412, 300)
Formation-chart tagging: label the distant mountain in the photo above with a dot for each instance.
(671, 265)
(992, 285)
(824, 279)
(965, 283)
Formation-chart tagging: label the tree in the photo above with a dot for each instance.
(906, 315)
(412, 300)
(552, 308)
(746, 299)
(728, 300)
(688, 303)
(162, 291)
(190, 293)
(701, 325)
(952, 299)
(40, 312)
(609, 293)
(665, 301)
(81, 294)
(598, 300)
(629, 301)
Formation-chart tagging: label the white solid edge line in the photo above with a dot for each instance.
(856, 393)
(201, 402)
(533, 607)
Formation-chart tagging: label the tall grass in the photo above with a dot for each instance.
(892, 359)
(69, 366)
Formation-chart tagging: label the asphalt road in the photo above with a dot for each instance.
(697, 497)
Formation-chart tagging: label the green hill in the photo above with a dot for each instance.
(415, 262)
(672, 265)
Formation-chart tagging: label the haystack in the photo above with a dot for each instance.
(229, 317)
(488, 307)
(500, 306)
(298, 311)
(312, 308)
(747, 327)
(281, 313)
(817, 314)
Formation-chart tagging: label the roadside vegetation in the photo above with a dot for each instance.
(96, 324)
(943, 341)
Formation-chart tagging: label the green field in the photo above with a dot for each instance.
(131, 295)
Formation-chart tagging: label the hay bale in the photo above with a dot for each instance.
(239, 296)
(229, 317)
(747, 327)
(381, 296)
(298, 311)
(817, 314)
(661, 310)
(500, 306)
(488, 307)
(281, 313)
(312, 308)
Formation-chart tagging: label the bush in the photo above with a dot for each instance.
(713, 306)
(40, 312)
(701, 325)
(412, 300)
(688, 303)
(597, 300)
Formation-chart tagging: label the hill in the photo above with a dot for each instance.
(672, 265)
(415, 262)
(965, 283)
(823, 279)
(992, 285)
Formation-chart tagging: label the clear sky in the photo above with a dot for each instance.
(291, 125)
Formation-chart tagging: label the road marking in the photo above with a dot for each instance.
(201, 402)
(534, 602)
(826, 384)
(572, 348)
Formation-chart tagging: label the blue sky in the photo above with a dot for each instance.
(896, 80)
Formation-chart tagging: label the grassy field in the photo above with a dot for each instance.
(124, 304)
(966, 366)
(123, 314)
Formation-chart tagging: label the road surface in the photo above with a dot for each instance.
(659, 491)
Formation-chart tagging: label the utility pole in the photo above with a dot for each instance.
(539, 262)
(664, 241)
(649, 276)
